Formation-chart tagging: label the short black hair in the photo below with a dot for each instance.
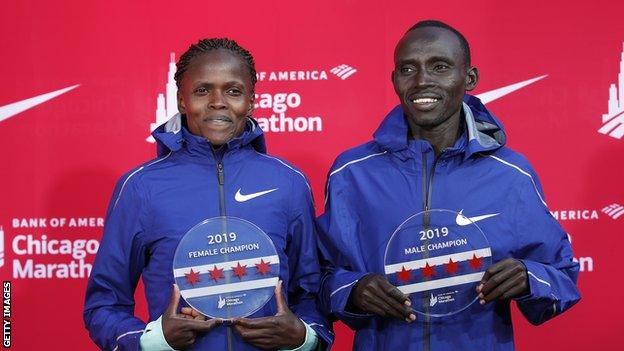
(439, 24)
(204, 46)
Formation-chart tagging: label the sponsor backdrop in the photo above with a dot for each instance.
(83, 83)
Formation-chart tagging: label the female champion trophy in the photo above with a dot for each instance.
(226, 267)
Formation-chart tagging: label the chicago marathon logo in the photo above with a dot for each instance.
(274, 112)
(613, 120)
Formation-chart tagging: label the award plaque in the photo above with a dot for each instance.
(438, 258)
(226, 267)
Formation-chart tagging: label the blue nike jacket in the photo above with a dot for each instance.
(373, 188)
(154, 205)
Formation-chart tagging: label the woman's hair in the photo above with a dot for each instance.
(206, 45)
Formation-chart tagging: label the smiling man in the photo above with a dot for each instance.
(440, 150)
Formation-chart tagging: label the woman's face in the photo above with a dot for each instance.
(216, 96)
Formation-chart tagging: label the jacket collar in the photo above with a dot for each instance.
(483, 132)
(172, 136)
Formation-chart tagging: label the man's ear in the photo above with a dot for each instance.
(392, 75)
(472, 78)
(181, 106)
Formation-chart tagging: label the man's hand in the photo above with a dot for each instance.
(504, 280)
(179, 330)
(284, 330)
(374, 294)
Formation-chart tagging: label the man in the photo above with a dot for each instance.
(440, 149)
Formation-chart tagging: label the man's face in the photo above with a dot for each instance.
(431, 76)
(216, 96)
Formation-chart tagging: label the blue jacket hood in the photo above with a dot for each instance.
(484, 131)
(170, 135)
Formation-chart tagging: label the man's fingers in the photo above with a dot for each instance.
(393, 292)
(173, 302)
(394, 307)
(501, 276)
(282, 307)
(374, 304)
(507, 289)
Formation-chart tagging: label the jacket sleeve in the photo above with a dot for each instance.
(341, 263)
(544, 248)
(304, 269)
(109, 303)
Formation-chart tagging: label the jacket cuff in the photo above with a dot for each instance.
(340, 297)
(153, 338)
(310, 342)
(539, 287)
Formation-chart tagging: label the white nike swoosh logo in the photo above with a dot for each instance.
(492, 95)
(242, 198)
(10, 110)
(463, 220)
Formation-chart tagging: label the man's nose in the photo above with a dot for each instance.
(216, 100)
(422, 78)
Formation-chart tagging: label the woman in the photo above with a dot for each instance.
(209, 155)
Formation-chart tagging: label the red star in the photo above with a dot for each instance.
(192, 277)
(451, 267)
(240, 271)
(216, 273)
(404, 275)
(263, 267)
(428, 271)
(475, 262)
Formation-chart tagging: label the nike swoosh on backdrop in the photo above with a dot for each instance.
(463, 220)
(492, 95)
(10, 110)
(242, 198)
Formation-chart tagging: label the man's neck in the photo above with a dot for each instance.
(441, 136)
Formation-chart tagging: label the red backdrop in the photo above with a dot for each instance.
(61, 157)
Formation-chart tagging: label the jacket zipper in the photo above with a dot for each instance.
(427, 193)
(221, 181)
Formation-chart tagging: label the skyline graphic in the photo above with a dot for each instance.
(613, 120)
(166, 104)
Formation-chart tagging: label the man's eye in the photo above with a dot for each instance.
(200, 90)
(407, 70)
(234, 92)
(441, 67)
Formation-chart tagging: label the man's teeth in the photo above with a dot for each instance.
(424, 100)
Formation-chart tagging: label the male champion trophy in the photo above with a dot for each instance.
(226, 267)
(438, 258)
